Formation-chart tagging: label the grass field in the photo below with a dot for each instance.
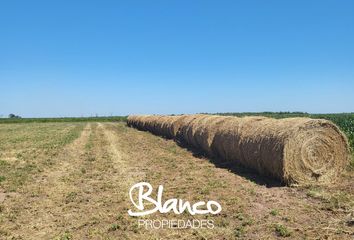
(70, 180)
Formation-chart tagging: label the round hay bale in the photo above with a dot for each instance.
(176, 125)
(293, 150)
(225, 142)
(205, 132)
(315, 151)
(186, 129)
(192, 128)
(167, 126)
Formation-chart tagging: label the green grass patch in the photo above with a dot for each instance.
(25, 149)
(274, 212)
(282, 230)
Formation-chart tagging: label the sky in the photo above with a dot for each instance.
(82, 58)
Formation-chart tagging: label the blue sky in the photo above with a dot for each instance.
(81, 58)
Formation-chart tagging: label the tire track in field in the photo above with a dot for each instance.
(111, 177)
(119, 158)
(82, 194)
(40, 208)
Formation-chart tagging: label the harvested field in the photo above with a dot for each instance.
(293, 150)
(71, 181)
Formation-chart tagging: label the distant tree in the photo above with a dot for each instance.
(11, 115)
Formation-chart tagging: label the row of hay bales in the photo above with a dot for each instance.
(293, 150)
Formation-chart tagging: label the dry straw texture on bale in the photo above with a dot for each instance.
(293, 150)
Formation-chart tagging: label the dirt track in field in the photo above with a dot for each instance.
(84, 194)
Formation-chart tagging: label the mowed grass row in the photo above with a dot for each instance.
(26, 148)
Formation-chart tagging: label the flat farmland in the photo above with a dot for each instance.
(70, 180)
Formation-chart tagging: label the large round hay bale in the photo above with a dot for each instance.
(160, 125)
(176, 125)
(205, 131)
(130, 121)
(191, 129)
(293, 150)
(166, 126)
(185, 133)
(217, 136)
(315, 151)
